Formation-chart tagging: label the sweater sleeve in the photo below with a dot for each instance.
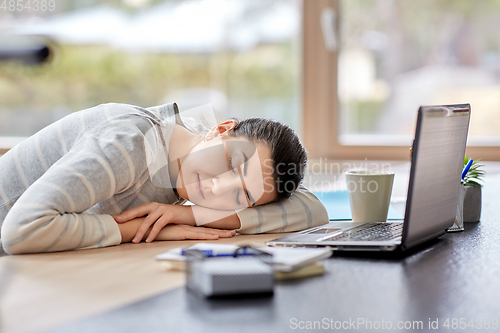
(49, 216)
(301, 211)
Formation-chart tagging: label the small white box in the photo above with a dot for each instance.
(229, 276)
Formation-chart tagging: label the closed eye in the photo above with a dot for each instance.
(237, 197)
(234, 172)
(231, 165)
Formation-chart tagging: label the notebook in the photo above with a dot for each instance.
(283, 259)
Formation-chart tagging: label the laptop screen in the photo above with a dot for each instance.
(437, 162)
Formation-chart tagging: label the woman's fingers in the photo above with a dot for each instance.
(224, 233)
(218, 232)
(130, 214)
(145, 225)
(230, 233)
(183, 232)
(206, 234)
(201, 235)
(159, 224)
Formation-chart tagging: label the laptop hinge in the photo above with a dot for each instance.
(409, 244)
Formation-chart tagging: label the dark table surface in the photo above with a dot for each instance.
(454, 280)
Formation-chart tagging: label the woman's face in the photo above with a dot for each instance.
(227, 173)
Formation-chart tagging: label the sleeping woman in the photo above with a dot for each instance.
(119, 173)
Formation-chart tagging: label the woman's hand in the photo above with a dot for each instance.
(158, 216)
(173, 231)
(183, 232)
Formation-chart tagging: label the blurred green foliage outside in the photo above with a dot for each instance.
(80, 77)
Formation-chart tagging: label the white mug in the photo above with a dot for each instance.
(369, 194)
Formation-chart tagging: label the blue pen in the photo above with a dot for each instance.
(212, 253)
(466, 169)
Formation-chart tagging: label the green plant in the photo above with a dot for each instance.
(474, 176)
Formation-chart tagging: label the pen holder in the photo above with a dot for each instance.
(472, 204)
(459, 219)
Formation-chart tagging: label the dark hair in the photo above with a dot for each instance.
(287, 152)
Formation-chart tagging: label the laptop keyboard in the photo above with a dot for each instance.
(378, 232)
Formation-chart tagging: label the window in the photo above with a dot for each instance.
(242, 56)
(391, 57)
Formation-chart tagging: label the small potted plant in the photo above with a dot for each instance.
(472, 182)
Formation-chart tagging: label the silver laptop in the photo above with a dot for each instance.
(431, 203)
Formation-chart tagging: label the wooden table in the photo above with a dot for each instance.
(455, 277)
(450, 284)
(42, 291)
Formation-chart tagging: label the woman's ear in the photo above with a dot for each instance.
(220, 129)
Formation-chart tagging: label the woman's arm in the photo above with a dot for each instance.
(225, 221)
(48, 216)
(173, 232)
(301, 211)
(157, 216)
